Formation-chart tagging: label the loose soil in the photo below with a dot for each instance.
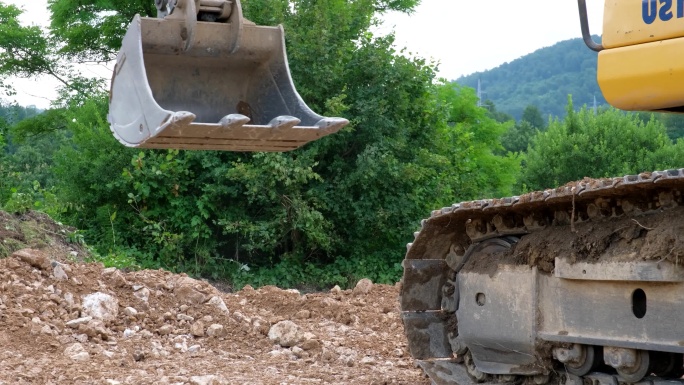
(654, 236)
(166, 328)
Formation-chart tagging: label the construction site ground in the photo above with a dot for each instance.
(65, 321)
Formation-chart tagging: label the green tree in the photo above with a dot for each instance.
(518, 137)
(674, 124)
(533, 116)
(28, 51)
(472, 144)
(610, 143)
(495, 114)
(91, 30)
(3, 130)
(26, 159)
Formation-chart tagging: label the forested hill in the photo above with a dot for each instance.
(543, 78)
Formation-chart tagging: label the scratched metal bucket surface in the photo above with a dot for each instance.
(207, 97)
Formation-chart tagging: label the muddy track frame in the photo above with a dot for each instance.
(521, 304)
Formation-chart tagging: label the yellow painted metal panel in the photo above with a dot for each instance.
(629, 22)
(647, 76)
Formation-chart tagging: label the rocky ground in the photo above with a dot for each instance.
(65, 322)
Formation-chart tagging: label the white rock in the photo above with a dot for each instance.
(218, 303)
(285, 333)
(278, 354)
(146, 334)
(206, 380)
(101, 306)
(143, 294)
(241, 317)
(69, 298)
(368, 361)
(364, 286)
(336, 289)
(78, 321)
(298, 352)
(82, 356)
(197, 329)
(309, 336)
(131, 312)
(76, 352)
(128, 333)
(59, 273)
(348, 360)
(82, 338)
(112, 382)
(182, 346)
(194, 349)
(216, 330)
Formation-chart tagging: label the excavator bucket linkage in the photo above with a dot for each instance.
(222, 84)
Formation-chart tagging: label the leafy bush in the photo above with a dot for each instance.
(609, 143)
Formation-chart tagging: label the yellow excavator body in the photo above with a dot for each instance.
(641, 66)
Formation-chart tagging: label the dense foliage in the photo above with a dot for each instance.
(334, 211)
(604, 144)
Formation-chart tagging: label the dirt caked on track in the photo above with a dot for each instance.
(649, 237)
(69, 322)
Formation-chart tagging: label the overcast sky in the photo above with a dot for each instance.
(463, 36)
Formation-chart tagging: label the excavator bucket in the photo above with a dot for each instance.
(180, 83)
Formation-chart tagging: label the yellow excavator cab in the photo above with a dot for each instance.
(202, 77)
(641, 57)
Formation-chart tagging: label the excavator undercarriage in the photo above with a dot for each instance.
(583, 284)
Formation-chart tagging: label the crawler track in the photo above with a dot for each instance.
(591, 232)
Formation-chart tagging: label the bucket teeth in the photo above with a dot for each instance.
(284, 122)
(234, 121)
(178, 118)
(332, 124)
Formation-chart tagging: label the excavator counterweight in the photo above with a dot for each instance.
(224, 84)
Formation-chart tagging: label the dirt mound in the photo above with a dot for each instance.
(38, 231)
(73, 323)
